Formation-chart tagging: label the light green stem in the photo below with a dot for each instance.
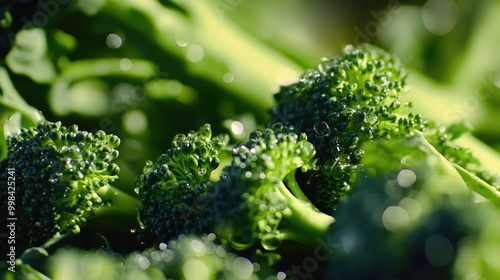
(308, 222)
(210, 47)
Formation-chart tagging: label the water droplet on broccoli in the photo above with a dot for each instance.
(321, 128)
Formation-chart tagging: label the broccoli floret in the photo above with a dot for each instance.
(405, 219)
(62, 178)
(340, 104)
(171, 189)
(258, 198)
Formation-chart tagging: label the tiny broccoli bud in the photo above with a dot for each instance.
(340, 104)
(172, 188)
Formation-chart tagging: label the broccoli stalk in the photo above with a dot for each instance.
(304, 219)
(63, 178)
(179, 28)
(253, 188)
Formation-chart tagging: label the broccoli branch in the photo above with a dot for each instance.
(188, 28)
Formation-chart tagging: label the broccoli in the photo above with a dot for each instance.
(258, 198)
(62, 178)
(171, 189)
(416, 213)
(181, 193)
(352, 99)
(190, 257)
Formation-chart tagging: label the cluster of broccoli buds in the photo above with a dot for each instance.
(341, 104)
(172, 189)
(62, 174)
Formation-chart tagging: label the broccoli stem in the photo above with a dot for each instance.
(306, 221)
(489, 157)
(478, 185)
(120, 203)
(292, 184)
(255, 69)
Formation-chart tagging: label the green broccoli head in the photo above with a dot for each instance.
(340, 104)
(171, 189)
(253, 201)
(60, 173)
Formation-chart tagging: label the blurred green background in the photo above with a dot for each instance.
(147, 70)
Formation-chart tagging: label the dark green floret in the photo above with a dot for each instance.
(258, 197)
(63, 177)
(171, 189)
(340, 104)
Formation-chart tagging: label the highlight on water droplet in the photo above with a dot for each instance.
(180, 42)
(440, 16)
(113, 41)
(406, 178)
(125, 64)
(228, 77)
(195, 53)
(321, 128)
(395, 218)
(237, 128)
(202, 171)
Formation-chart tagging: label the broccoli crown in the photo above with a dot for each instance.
(342, 103)
(59, 171)
(171, 188)
(252, 189)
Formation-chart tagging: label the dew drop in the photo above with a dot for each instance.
(321, 128)
(406, 178)
(195, 53)
(371, 119)
(395, 218)
(228, 77)
(113, 41)
(202, 171)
